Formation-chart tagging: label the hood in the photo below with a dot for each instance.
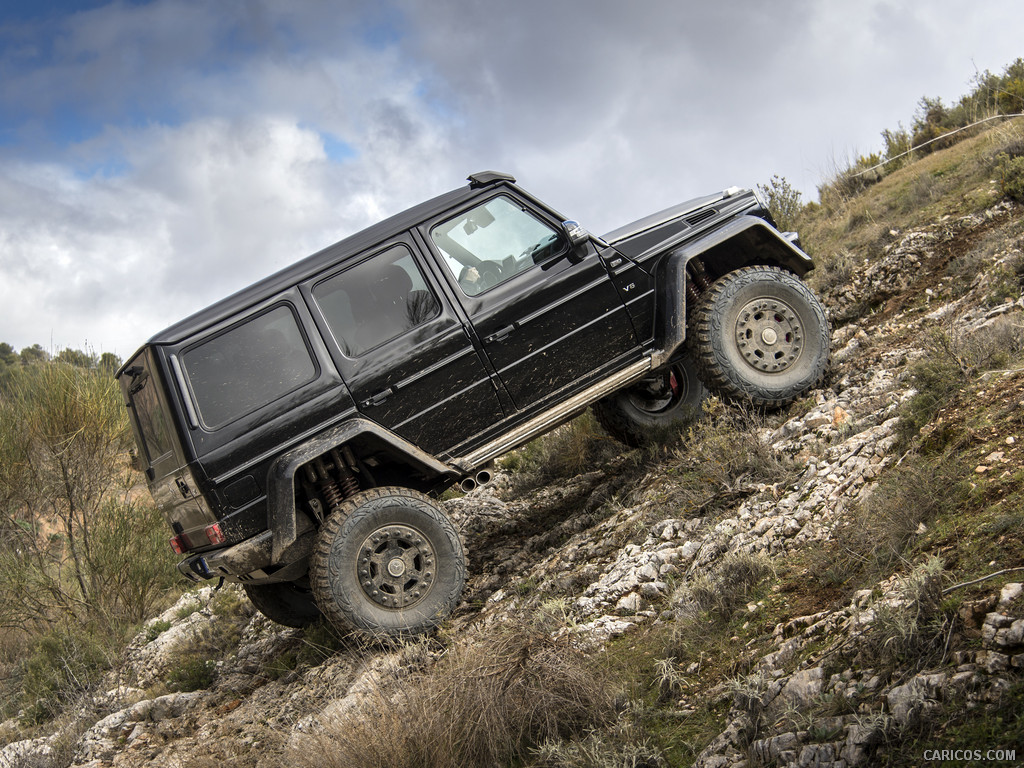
(659, 230)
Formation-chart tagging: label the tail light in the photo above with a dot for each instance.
(181, 543)
(215, 534)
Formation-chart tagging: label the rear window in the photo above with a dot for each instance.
(248, 366)
(154, 427)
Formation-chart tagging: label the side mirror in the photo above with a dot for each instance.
(578, 238)
(578, 235)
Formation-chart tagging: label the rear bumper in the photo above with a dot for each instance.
(251, 561)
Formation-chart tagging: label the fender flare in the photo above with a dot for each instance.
(281, 509)
(764, 244)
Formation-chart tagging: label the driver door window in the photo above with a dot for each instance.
(493, 242)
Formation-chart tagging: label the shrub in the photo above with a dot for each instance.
(564, 452)
(192, 674)
(62, 664)
(834, 271)
(783, 202)
(950, 362)
(909, 631)
(915, 493)
(157, 628)
(726, 587)
(897, 144)
(728, 449)
(1011, 176)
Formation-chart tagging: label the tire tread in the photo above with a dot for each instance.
(708, 334)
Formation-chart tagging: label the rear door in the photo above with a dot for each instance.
(547, 317)
(407, 358)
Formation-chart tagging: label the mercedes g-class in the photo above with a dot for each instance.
(297, 434)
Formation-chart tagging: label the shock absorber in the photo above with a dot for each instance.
(696, 269)
(349, 484)
(332, 494)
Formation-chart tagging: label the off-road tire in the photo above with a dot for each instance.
(286, 602)
(760, 334)
(642, 413)
(388, 562)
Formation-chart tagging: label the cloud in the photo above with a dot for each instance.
(157, 156)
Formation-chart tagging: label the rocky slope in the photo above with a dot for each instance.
(798, 665)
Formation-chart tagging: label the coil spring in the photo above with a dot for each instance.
(333, 495)
(349, 484)
(695, 268)
(691, 294)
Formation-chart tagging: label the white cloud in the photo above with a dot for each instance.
(203, 167)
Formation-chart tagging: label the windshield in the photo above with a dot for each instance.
(489, 244)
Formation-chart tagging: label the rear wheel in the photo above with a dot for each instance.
(287, 602)
(388, 561)
(760, 334)
(669, 398)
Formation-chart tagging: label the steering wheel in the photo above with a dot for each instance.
(488, 276)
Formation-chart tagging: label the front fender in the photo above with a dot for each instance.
(743, 241)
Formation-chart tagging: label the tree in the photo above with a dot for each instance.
(109, 363)
(73, 542)
(7, 355)
(76, 357)
(34, 354)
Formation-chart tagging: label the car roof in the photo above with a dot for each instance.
(308, 267)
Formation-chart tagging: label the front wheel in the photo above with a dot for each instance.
(669, 398)
(388, 562)
(760, 334)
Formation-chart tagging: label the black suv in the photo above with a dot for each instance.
(296, 433)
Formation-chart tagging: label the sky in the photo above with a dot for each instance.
(158, 155)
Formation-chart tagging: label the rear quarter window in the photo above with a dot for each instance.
(248, 366)
(154, 428)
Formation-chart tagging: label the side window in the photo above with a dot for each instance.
(493, 242)
(375, 301)
(248, 366)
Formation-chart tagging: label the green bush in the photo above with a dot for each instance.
(62, 664)
(1011, 176)
(191, 673)
(157, 628)
(783, 202)
(80, 546)
(82, 562)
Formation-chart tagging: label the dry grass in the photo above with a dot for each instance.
(575, 447)
(490, 700)
(721, 591)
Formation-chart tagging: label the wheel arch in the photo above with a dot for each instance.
(687, 271)
(366, 438)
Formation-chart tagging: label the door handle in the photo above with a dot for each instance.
(500, 335)
(379, 398)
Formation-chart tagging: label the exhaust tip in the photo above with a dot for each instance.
(484, 476)
(468, 484)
